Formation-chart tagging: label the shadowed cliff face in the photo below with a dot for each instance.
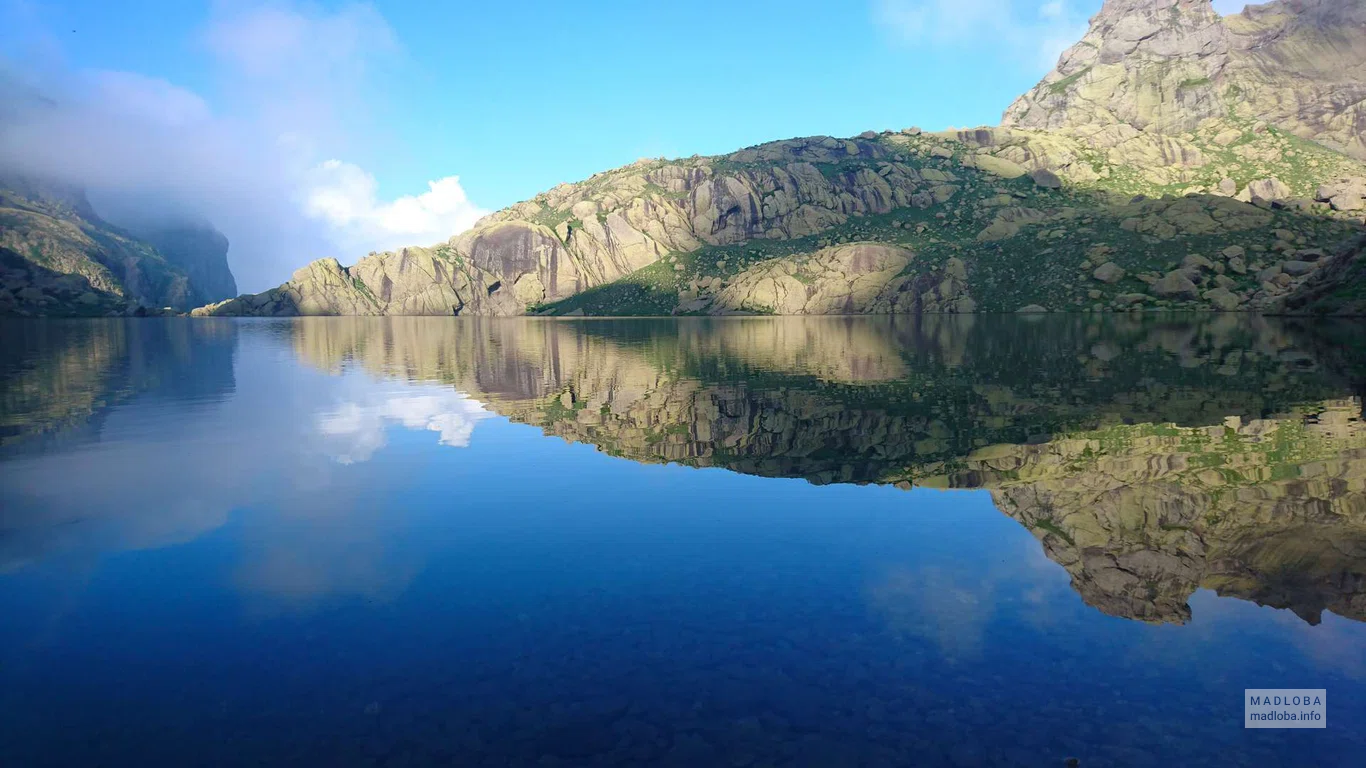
(201, 252)
(1150, 457)
(59, 258)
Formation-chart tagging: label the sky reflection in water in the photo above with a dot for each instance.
(763, 541)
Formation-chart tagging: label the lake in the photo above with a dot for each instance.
(934, 540)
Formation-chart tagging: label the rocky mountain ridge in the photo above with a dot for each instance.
(1174, 160)
(1168, 65)
(59, 257)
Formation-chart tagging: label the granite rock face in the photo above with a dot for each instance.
(860, 278)
(1165, 66)
(577, 236)
(411, 281)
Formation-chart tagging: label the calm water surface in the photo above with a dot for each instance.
(739, 542)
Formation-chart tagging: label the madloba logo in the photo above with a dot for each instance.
(1285, 708)
(1292, 701)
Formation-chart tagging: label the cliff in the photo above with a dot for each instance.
(58, 257)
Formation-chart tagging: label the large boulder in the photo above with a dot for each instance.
(845, 279)
(1223, 299)
(1348, 194)
(1297, 268)
(1176, 284)
(1109, 273)
(1046, 179)
(1272, 189)
(998, 166)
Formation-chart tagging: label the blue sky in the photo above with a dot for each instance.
(365, 105)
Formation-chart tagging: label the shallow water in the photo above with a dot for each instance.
(829, 541)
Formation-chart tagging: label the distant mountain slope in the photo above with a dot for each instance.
(58, 257)
(197, 249)
(1176, 160)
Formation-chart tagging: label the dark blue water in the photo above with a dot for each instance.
(748, 542)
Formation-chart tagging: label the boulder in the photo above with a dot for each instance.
(998, 166)
(1176, 285)
(1223, 299)
(956, 268)
(1046, 179)
(942, 193)
(1297, 268)
(1347, 203)
(1196, 261)
(1348, 194)
(1271, 189)
(1109, 273)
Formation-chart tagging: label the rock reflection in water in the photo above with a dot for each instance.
(1150, 456)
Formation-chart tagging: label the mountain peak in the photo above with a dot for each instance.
(1168, 65)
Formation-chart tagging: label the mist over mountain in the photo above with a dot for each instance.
(263, 162)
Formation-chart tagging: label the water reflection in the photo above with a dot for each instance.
(359, 429)
(130, 435)
(826, 541)
(1151, 456)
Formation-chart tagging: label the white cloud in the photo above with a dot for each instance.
(304, 72)
(344, 196)
(158, 101)
(293, 88)
(355, 431)
(266, 41)
(1040, 28)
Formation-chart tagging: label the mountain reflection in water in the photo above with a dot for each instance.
(350, 540)
(1151, 457)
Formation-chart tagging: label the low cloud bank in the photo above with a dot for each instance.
(262, 162)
